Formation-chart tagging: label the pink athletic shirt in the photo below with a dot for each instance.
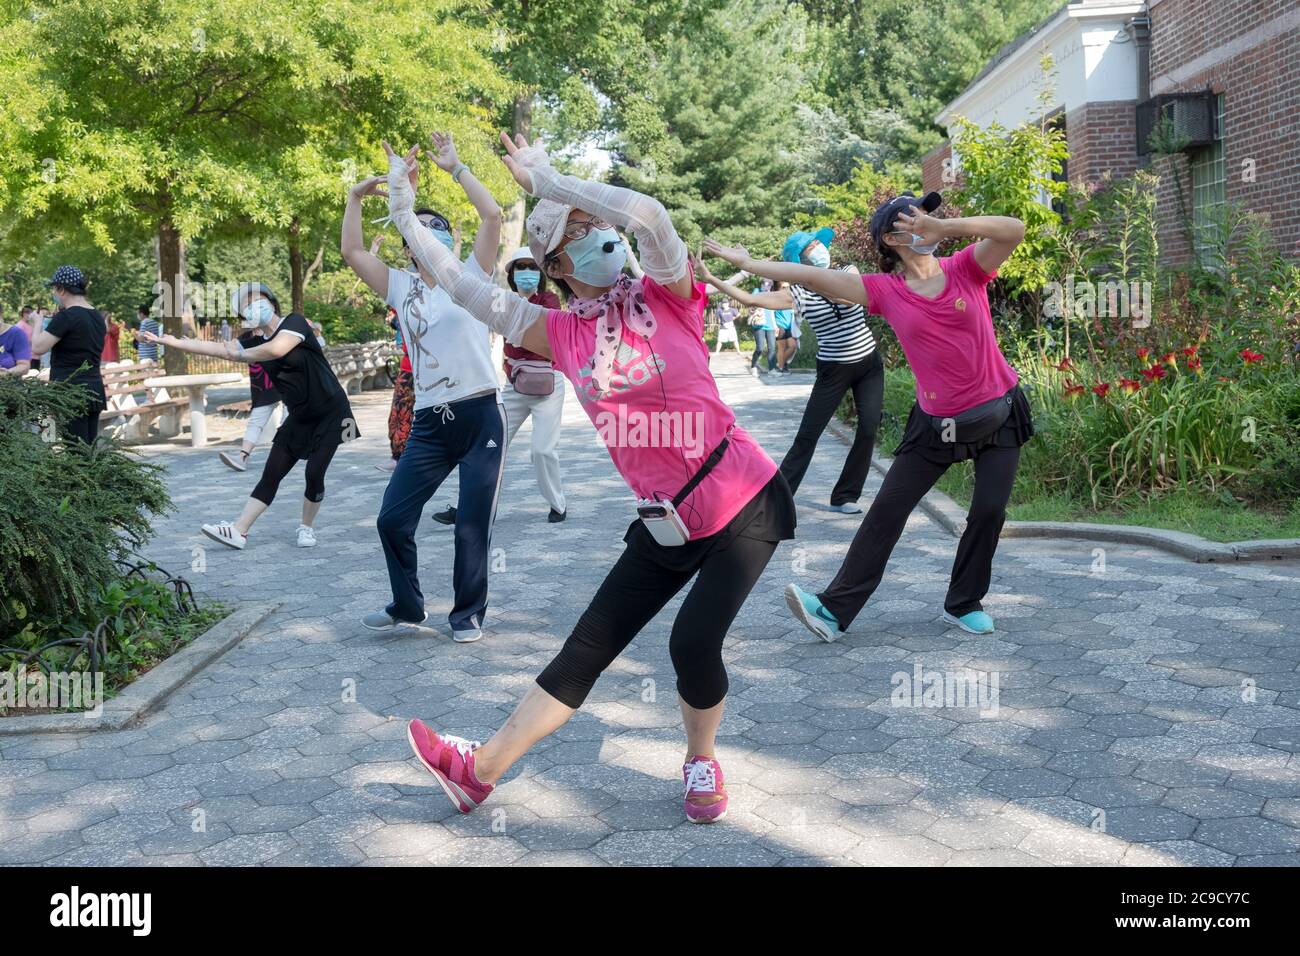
(948, 340)
(663, 415)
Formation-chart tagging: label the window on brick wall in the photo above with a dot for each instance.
(1209, 194)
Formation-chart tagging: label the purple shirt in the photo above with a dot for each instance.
(14, 347)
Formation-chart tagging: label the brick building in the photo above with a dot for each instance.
(1224, 75)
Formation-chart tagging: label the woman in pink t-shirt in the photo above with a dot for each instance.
(968, 402)
(634, 352)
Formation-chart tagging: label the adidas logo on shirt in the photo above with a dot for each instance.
(492, 443)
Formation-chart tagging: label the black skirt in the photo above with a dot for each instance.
(920, 435)
(300, 436)
(769, 516)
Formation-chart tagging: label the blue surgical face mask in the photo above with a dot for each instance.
(918, 247)
(591, 263)
(818, 256)
(443, 236)
(527, 280)
(259, 312)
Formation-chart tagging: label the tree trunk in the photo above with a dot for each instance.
(172, 291)
(512, 222)
(295, 267)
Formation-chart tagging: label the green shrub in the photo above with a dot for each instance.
(70, 512)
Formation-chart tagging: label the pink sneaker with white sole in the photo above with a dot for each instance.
(451, 760)
(706, 794)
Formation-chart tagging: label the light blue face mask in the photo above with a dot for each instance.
(594, 265)
(443, 236)
(818, 255)
(260, 312)
(527, 280)
(922, 249)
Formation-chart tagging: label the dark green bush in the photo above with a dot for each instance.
(70, 512)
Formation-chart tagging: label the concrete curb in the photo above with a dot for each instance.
(145, 694)
(952, 518)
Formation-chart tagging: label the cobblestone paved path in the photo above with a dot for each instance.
(1147, 713)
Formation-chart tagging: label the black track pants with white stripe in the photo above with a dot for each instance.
(469, 435)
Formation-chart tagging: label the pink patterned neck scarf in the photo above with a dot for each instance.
(623, 303)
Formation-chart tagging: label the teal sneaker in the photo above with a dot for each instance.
(973, 622)
(811, 613)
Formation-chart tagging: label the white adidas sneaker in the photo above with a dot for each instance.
(227, 534)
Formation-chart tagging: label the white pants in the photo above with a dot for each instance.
(258, 419)
(727, 333)
(547, 411)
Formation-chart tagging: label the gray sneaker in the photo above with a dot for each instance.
(848, 508)
(383, 621)
(467, 636)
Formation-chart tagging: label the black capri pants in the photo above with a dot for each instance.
(648, 575)
(281, 461)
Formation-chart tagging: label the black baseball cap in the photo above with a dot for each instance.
(882, 220)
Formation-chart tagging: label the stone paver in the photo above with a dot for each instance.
(1145, 715)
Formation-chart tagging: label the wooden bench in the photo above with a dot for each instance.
(127, 416)
(361, 366)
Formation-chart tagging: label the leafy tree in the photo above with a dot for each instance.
(580, 70)
(729, 89)
(910, 57)
(175, 117)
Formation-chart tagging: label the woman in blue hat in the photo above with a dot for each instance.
(847, 361)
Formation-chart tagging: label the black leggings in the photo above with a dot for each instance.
(908, 479)
(866, 380)
(634, 591)
(281, 461)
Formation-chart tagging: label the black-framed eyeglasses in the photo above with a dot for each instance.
(438, 222)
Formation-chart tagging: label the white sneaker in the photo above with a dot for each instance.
(306, 537)
(848, 508)
(236, 460)
(468, 636)
(227, 534)
(753, 370)
(388, 466)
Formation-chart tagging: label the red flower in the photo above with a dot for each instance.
(1100, 389)
(1154, 373)
(1130, 385)
(1144, 353)
(1065, 365)
(1250, 357)
(1072, 390)
(1190, 350)
(1194, 364)
(1169, 359)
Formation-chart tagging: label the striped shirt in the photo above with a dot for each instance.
(842, 331)
(148, 350)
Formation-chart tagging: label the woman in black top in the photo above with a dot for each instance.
(320, 416)
(75, 340)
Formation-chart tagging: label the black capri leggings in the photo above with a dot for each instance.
(635, 590)
(281, 461)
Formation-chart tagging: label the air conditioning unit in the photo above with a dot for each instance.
(1191, 116)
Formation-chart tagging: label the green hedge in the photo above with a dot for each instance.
(69, 511)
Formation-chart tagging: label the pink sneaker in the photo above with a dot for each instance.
(451, 761)
(706, 794)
